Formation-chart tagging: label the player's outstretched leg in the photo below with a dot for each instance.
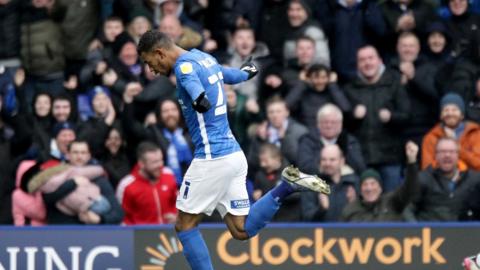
(262, 211)
(194, 247)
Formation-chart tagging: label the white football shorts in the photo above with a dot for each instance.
(215, 184)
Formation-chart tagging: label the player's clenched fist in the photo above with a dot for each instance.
(250, 68)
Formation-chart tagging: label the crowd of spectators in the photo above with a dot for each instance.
(379, 97)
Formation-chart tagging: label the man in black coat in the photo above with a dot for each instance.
(417, 76)
(380, 110)
(462, 26)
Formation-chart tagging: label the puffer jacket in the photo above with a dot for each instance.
(78, 21)
(42, 49)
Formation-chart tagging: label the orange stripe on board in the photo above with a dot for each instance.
(166, 244)
(156, 254)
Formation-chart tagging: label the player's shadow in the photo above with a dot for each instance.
(176, 262)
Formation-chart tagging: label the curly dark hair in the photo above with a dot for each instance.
(153, 39)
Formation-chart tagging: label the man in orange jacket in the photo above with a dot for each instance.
(453, 125)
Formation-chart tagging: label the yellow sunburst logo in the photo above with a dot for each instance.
(161, 253)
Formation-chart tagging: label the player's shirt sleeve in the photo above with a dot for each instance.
(233, 75)
(189, 80)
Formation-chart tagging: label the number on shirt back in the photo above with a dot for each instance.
(220, 107)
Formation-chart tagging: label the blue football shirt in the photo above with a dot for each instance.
(197, 72)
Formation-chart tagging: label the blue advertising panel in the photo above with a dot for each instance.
(64, 248)
(400, 246)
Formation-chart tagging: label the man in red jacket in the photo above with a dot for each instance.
(149, 193)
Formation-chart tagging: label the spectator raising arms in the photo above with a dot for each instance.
(376, 206)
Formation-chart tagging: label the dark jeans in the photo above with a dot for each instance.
(391, 176)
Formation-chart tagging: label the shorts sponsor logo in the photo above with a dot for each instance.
(238, 204)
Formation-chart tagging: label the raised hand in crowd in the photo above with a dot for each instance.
(351, 194)
(324, 201)
(411, 151)
(360, 111)
(252, 106)
(19, 78)
(274, 81)
(385, 115)
(43, 3)
(131, 91)
(72, 83)
(408, 69)
(101, 68)
(94, 45)
(262, 130)
(109, 78)
(332, 77)
(111, 114)
(89, 217)
(209, 43)
(406, 22)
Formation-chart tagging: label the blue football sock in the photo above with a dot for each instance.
(281, 191)
(195, 249)
(261, 212)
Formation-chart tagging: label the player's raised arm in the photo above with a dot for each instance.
(190, 81)
(233, 75)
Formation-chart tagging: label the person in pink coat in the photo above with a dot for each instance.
(27, 208)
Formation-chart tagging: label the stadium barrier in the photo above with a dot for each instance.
(281, 246)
